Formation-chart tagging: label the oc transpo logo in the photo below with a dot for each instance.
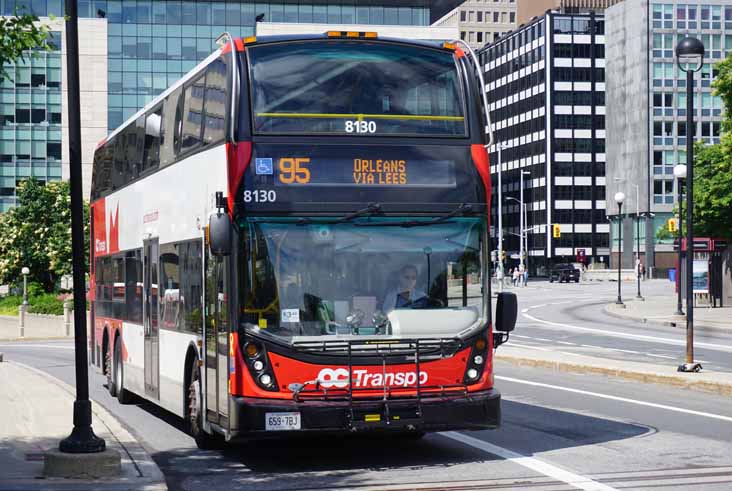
(337, 378)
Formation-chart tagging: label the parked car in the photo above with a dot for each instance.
(564, 273)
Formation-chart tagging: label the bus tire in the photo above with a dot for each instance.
(123, 395)
(109, 368)
(194, 411)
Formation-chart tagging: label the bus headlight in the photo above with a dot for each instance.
(258, 365)
(265, 379)
(478, 360)
(472, 373)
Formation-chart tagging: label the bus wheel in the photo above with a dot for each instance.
(194, 410)
(109, 369)
(123, 395)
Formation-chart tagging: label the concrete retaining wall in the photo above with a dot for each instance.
(36, 326)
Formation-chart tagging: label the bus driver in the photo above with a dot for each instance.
(405, 295)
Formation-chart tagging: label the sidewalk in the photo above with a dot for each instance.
(36, 411)
(660, 310)
(706, 381)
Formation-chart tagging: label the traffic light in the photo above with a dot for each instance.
(556, 231)
(503, 255)
(672, 225)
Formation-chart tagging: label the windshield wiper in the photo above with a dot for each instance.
(371, 209)
(460, 210)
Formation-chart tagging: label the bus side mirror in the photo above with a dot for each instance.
(219, 234)
(506, 312)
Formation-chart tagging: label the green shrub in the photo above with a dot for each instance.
(9, 305)
(48, 303)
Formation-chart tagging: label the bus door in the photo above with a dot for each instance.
(151, 292)
(216, 339)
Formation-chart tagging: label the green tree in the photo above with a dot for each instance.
(19, 34)
(37, 234)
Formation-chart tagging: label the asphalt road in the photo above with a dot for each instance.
(560, 430)
(570, 318)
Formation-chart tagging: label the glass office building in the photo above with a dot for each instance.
(30, 121)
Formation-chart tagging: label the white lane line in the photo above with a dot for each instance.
(661, 356)
(567, 343)
(35, 346)
(545, 468)
(616, 398)
(528, 346)
(640, 337)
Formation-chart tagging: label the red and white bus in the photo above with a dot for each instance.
(294, 238)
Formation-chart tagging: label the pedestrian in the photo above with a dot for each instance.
(526, 276)
(515, 277)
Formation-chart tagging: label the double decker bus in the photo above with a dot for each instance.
(294, 238)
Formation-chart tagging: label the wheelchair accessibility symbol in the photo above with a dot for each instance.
(263, 167)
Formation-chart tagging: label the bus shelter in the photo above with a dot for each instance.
(712, 270)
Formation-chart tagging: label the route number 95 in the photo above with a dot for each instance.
(294, 170)
(360, 127)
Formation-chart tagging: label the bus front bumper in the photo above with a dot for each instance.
(475, 411)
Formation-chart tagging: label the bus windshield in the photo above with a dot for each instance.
(355, 88)
(369, 276)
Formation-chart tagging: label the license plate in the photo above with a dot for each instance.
(281, 421)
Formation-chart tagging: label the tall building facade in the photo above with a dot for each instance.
(647, 130)
(531, 8)
(131, 50)
(546, 93)
(33, 108)
(481, 22)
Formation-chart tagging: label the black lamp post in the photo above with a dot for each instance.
(680, 174)
(690, 59)
(82, 438)
(619, 198)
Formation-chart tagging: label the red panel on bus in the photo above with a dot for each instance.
(398, 378)
(100, 228)
(480, 158)
(238, 156)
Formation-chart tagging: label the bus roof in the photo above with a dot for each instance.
(259, 40)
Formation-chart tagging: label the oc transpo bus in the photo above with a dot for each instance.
(294, 238)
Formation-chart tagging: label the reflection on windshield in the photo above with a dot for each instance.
(348, 279)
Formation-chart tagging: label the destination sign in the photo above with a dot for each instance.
(362, 172)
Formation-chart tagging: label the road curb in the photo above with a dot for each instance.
(676, 380)
(153, 477)
(668, 323)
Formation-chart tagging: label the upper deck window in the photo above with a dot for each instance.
(355, 88)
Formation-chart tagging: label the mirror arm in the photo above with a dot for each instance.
(221, 204)
(499, 338)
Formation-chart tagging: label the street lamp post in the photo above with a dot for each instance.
(690, 59)
(638, 296)
(619, 198)
(501, 146)
(82, 438)
(25, 272)
(680, 174)
(523, 223)
(637, 234)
